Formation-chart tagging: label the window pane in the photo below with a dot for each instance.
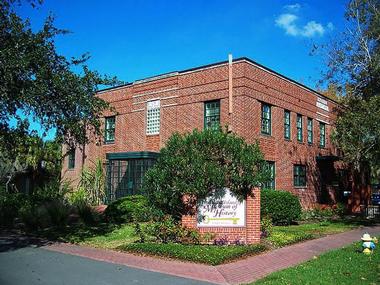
(71, 159)
(299, 172)
(310, 131)
(322, 134)
(212, 115)
(153, 118)
(271, 184)
(109, 133)
(287, 125)
(299, 128)
(265, 119)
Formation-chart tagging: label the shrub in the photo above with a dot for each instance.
(189, 236)
(51, 213)
(209, 254)
(281, 206)
(10, 204)
(324, 212)
(53, 190)
(280, 239)
(195, 164)
(58, 212)
(165, 230)
(131, 208)
(34, 217)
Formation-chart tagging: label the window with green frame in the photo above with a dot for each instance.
(299, 128)
(287, 124)
(71, 159)
(266, 119)
(309, 130)
(322, 134)
(212, 115)
(109, 132)
(299, 173)
(271, 184)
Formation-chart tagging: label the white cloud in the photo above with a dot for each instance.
(293, 7)
(311, 29)
(288, 21)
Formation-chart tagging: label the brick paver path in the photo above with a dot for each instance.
(243, 271)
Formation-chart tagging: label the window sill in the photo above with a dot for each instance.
(109, 142)
(300, 187)
(266, 135)
(152, 135)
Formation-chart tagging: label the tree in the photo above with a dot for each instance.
(22, 152)
(194, 165)
(39, 83)
(353, 67)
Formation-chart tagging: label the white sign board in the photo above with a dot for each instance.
(322, 103)
(221, 210)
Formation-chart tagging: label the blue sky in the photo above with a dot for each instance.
(137, 39)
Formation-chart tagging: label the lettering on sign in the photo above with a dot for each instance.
(322, 103)
(222, 209)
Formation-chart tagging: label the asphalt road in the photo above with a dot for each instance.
(29, 264)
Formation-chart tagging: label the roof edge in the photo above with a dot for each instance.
(239, 59)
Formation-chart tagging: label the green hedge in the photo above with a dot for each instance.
(282, 206)
(209, 254)
(130, 208)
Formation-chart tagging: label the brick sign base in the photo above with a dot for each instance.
(249, 234)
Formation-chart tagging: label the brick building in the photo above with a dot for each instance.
(291, 122)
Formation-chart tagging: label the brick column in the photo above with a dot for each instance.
(253, 217)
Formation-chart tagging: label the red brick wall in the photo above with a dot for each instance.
(182, 98)
(249, 234)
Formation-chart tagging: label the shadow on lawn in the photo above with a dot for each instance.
(356, 220)
(14, 239)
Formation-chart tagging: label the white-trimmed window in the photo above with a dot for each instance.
(153, 117)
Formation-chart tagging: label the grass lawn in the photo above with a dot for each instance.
(103, 235)
(208, 254)
(285, 235)
(343, 266)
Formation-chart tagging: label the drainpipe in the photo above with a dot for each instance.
(230, 98)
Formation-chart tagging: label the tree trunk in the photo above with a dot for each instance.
(361, 189)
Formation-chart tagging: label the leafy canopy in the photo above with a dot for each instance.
(39, 83)
(197, 163)
(353, 67)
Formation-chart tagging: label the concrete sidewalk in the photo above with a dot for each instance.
(243, 271)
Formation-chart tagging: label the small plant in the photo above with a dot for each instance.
(266, 226)
(207, 237)
(166, 230)
(92, 180)
(324, 212)
(222, 241)
(139, 232)
(189, 236)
